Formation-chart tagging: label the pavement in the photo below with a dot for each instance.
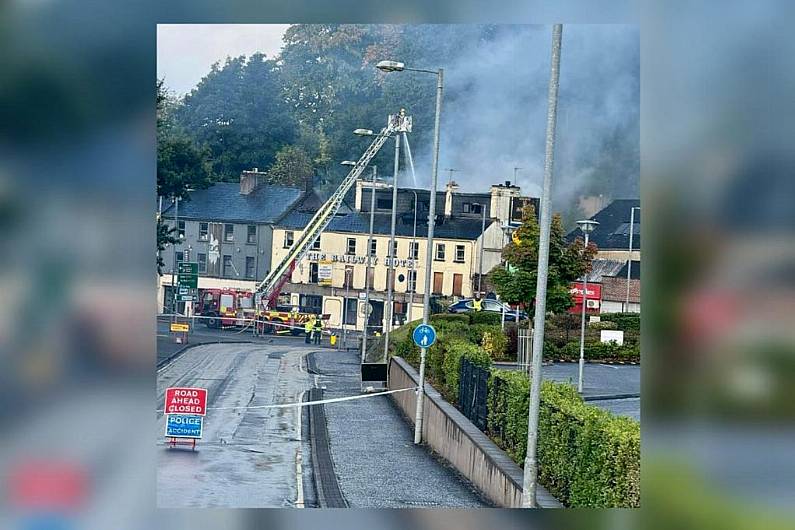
(372, 446)
(601, 381)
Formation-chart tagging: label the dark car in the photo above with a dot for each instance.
(489, 305)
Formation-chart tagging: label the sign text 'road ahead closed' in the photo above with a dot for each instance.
(186, 400)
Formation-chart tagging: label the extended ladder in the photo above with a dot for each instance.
(273, 282)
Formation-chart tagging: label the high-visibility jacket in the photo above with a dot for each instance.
(308, 325)
(318, 323)
(477, 305)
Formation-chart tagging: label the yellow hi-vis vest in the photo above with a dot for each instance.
(308, 325)
(477, 305)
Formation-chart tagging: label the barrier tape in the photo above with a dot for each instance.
(307, 403)
(280, 326)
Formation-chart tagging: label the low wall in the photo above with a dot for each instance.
(456, 439)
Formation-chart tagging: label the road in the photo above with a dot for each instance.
(600, 381)
(247, 458)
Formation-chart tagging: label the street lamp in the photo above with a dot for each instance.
(413, 255)
(347, 163)
(394, 66)
(363, 132)
(367, 267)
(629, 258)
(586, 227)
(391, 254)
(482, 244)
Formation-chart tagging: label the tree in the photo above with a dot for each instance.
(516, 282)
(292, 167)
(181, 164)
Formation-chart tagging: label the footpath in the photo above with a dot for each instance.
(372, 447)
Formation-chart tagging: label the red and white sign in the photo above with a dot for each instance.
(186, 400)
(594, 292)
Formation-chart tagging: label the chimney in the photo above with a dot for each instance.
(501, 199)
(249, 180)
(448, 198)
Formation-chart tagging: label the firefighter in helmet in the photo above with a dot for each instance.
(309, 325)
(318, 328)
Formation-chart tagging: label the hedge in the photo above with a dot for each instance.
(587, 457)
(625, 321)
(450, 317)
(484, 317)
(454, 351)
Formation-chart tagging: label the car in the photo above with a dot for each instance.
(489, 305)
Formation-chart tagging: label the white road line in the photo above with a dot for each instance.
(299, 473)
(609, 366)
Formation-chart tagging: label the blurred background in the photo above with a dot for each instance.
(77, 201)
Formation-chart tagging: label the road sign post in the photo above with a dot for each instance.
(185, 408)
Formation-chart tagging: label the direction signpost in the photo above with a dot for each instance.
(185, 408)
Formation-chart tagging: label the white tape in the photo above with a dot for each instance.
(307, 403)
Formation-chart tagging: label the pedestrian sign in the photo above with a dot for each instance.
(424, 335)
(184, 426)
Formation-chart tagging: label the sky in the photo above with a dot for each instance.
(185, 52)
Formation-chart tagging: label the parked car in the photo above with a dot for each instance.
(489, 305)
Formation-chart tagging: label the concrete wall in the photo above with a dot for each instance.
(451, 435)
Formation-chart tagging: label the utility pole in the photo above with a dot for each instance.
(391, 254)
(174, 288)
(482, 244)
(629, 259)
(530, 478)
(368, 267)
(413, 257)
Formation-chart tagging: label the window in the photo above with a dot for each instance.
(316, 244)
(440, 252)
(373, 247)
(472, 207)
(350, 311)
(348, 281)
(458, 281)
(227, 265)
(414, 250)
(459, 253)
(180, 255)
(229, 232)
(394, 249)
(383, 204)
(181, 229)
(310, 303)
(351, 249)
(251, 234)
(370, 276)
(288, 239)
(467, 207)
(412, 285)
(202, 260)
(313, 273)
(249, 266)
(203, 231)
(438, 282)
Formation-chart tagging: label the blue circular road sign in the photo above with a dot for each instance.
(424, 335)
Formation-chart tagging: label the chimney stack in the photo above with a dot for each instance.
(448, 198)
(249, 180)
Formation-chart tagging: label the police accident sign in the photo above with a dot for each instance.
(184, 426)
(186, 400)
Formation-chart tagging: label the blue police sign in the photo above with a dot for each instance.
(424, 335)
(183, 426)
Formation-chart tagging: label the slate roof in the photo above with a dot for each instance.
(359, 223)
(613, 229)
(604, 267)
(223, 202)
(634, 274)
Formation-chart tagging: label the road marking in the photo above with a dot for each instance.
(299, 473)
(609, 366)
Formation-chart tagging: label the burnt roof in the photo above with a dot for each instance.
(614, 227)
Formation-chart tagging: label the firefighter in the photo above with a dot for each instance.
(477, 303)
(308, 327)
(318, 328)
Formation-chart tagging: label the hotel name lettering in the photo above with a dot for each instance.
(358, 260)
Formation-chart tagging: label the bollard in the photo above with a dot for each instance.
(333, 339)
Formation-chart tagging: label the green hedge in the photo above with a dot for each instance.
(454, 351)
(587, 457)
(484, 317)
(594, 351)
(450, 317)
(625, 321)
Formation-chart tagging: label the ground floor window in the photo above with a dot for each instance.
(350, 311)
(310, 303)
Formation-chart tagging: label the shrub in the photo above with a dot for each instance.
(450, 317)
(495, 343)
(455, 350)
(512, 336)
(484, 317)
(475, 332)
(587, 457)
(626, 321)
(604, 324)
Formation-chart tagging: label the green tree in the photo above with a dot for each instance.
(292, 167)
(516, 282)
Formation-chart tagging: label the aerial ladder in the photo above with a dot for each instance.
(268, 290)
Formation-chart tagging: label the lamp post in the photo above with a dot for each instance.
(394, 66)
(391, 254)
(629, 258)
(174, 288)
(530, 478)
(367, 267)
(482, 244)
(586, 226)
(413, 255)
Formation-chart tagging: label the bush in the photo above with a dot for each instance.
(587, 457)
(626, 321)
(450, 317)
(455, 350)
(512, 336)
(604, 324)
(495, 343)
(484, 317)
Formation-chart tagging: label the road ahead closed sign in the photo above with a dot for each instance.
(186, 400)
